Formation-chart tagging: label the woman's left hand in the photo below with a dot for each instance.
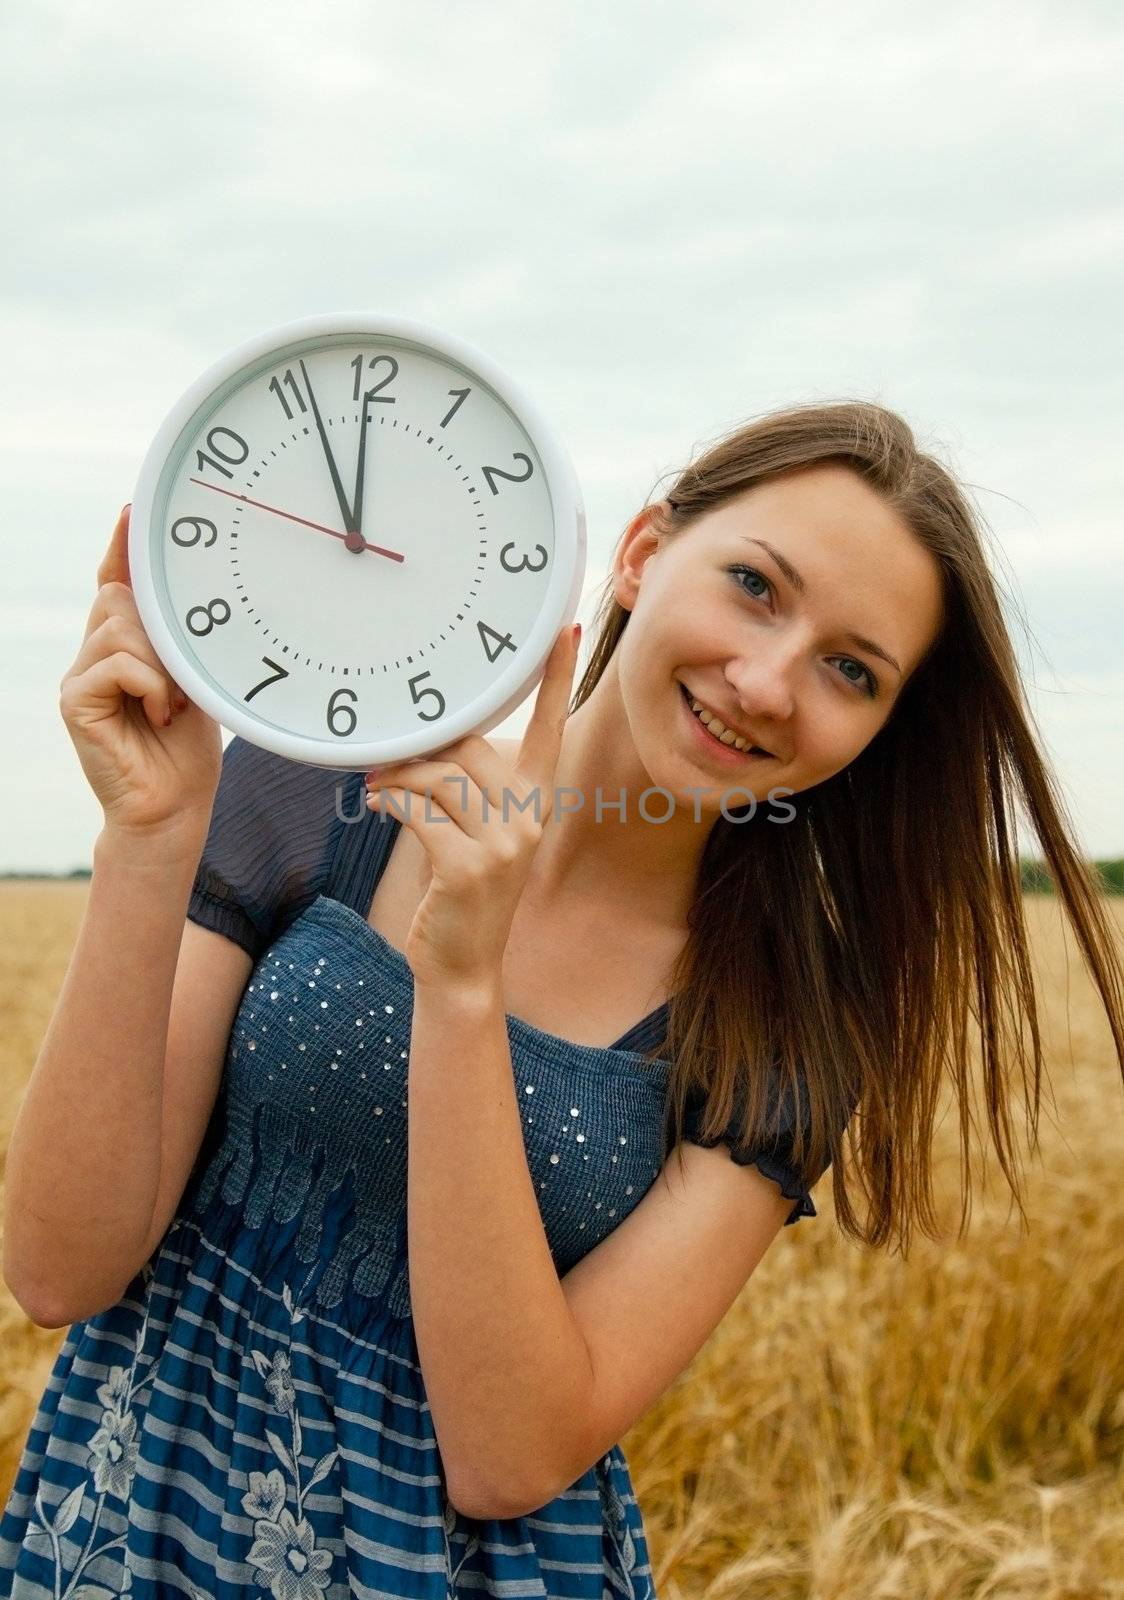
(480, 842)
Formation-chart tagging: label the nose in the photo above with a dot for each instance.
(762, 681)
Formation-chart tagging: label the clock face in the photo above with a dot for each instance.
(355, 540)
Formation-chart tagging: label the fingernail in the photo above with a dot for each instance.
(123, 509)
(577, 633)
(167, 719)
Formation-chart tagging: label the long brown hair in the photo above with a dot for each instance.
(888, 911)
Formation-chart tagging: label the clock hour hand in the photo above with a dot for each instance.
(345, 509)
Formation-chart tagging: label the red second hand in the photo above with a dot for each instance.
(379, 550)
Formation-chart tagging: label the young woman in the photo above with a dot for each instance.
(323, 1348)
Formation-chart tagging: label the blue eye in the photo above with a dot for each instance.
(871, 682)
(753, 573)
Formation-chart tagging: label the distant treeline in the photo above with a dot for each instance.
(1035, 877)
(1037, 880)
(75, 872)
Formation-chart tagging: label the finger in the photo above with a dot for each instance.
(444, 787)
(452, 854)
(101, 689)
(113, 598)
(472, 757)
(114, 565)
(510, 797)
(115, 602)
(542, 739)
(121, 631)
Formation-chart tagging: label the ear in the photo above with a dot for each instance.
(644, 535)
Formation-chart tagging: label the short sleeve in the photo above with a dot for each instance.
(773, 1157)
(274, 827)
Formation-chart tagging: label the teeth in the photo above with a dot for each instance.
(719, 729)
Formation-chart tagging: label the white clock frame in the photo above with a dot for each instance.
(515, 679)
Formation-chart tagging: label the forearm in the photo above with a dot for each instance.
(83, 1163)
(506, 1368)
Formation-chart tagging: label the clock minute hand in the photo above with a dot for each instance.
(358, 497)
(345, 509)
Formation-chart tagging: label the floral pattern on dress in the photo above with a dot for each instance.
(112, 1460)
(284, 1555)
(620, 1570)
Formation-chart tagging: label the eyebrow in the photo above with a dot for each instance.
(860, 641)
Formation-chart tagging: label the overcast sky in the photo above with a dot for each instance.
(660, 219)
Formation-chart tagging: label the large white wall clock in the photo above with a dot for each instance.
(355, 539)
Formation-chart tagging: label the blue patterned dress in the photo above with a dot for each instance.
(251, 1417)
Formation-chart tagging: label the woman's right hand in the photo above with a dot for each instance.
(150, 778)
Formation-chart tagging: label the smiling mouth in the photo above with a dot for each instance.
(757, 751)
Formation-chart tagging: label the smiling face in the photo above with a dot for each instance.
(777, 612)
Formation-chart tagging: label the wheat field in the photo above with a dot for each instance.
(859, 1426)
